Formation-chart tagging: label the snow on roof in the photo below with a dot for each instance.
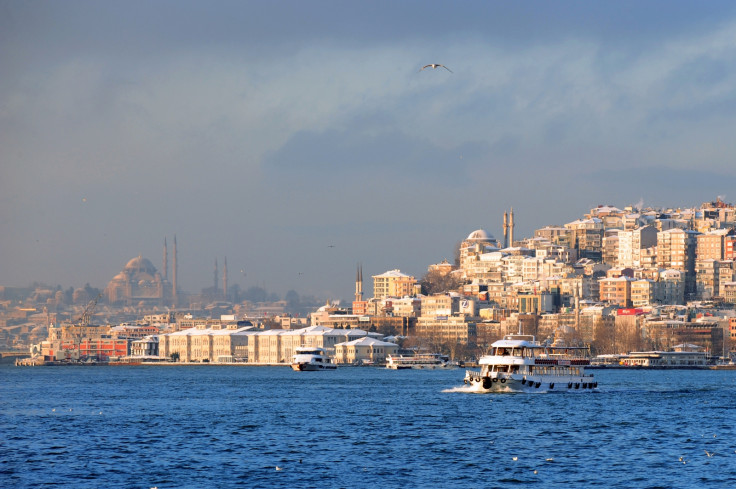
(366, 341)
(393, 273)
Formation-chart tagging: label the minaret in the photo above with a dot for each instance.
(511, 228)
(173, 285)
(166, 261)
(505, 229)
(224, 279)
(215, 274)
(359, 284)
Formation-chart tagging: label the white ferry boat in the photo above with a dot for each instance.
(309, 358)
(418, 361)
(519, 363)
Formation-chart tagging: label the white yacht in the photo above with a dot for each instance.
(311, 358)
(418, 361)
(519, 363)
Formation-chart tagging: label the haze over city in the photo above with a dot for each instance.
(298, 139)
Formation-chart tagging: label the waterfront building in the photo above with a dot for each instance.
(277, 346)
(144, 347)
(203, 344)
(364, 350)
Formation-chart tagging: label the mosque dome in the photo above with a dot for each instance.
(479, 235)
(140, 264)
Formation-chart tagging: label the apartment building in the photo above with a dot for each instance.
(616, 290)
(393, 284)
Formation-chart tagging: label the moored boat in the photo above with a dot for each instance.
(418, 361)
(309, 358)
(519, 363)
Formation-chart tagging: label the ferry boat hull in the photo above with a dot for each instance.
(308, 367)
(519, 383)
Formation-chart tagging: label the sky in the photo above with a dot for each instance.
(299, 139)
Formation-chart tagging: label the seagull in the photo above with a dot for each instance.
(434, 66)
(278, 468)
(515, 459)
(709, 454)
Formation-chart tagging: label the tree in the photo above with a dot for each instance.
(436, 282)
(255, 294)
(292, 299)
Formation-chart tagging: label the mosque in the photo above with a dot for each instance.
(140, 284)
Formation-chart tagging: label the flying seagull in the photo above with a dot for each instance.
(434, 66)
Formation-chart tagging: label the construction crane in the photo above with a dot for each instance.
(84, 319)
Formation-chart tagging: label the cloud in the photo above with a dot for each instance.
(346, 155)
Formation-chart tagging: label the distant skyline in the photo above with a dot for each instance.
(301, 138)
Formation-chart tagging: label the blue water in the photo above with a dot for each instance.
(220, 427)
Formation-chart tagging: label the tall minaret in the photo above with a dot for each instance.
(215, 274)
(174, 266)
(224, 279)
(505, 229)
(166, 261)
(511, 228)
(359, 284)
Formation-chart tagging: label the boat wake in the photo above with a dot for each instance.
(466, 389)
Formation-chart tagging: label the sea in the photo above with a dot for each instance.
(362, 427)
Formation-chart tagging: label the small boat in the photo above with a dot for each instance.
(419, 361)
(309, 358)
(519, 363)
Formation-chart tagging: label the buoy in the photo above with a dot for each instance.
(503, 381)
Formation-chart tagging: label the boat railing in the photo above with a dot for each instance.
(472, 373)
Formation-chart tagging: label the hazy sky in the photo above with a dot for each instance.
(266, 131)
